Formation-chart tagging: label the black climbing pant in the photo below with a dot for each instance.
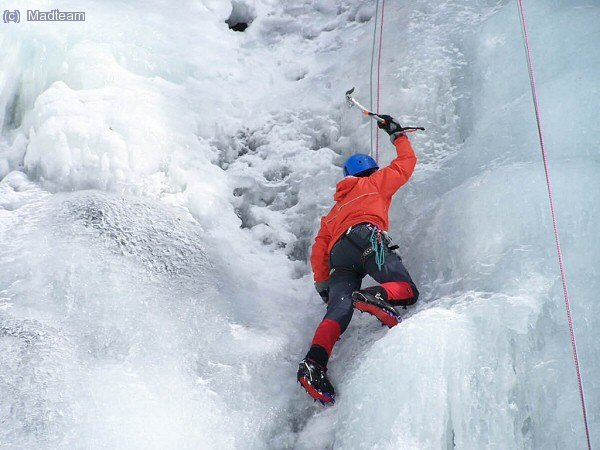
(351, 259)
(350, 266)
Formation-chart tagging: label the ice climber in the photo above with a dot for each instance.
(353, 243)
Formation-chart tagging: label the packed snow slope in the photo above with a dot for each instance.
(162, 177)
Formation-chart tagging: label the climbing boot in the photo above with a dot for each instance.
(313, 378)
(374, 301)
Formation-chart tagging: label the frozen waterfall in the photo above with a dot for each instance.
(161, 180)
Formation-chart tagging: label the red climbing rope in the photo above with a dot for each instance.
(554, 224)
(379, 77)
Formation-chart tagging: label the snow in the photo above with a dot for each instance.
(161, 180)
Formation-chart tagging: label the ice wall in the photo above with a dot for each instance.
(162, 178)
(488, 364)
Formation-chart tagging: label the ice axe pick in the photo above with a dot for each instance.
(353, 102)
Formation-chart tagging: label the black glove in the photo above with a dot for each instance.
(322, 288)
(390, 126)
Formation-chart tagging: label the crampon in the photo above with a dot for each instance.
(313, 379)
(377, 306)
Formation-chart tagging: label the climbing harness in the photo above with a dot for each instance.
(553, 213)
(379, 240)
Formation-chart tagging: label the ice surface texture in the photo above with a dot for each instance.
(161, 180)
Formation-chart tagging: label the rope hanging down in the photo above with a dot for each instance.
(376, 155)
(552, 210)
(372, 64)
(379, 76)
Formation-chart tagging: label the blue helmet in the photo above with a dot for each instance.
(359, 163)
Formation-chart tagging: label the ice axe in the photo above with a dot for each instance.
(353, 102)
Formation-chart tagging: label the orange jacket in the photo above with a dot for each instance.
(361, 199)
